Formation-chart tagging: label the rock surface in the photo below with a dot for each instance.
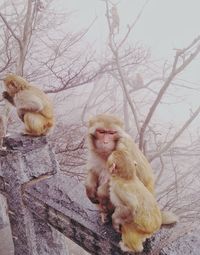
(43, 202)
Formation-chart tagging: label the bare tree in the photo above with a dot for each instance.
(36, 44)
(182, 59)
(144, 93)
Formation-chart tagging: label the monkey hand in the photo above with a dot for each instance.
(92, 194)
(6, 96)
(112, 168)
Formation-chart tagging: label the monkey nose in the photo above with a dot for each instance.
(105, 141)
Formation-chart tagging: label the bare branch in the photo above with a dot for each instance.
(177, 135)
(133, 25)
(175, 70)
(10, 29)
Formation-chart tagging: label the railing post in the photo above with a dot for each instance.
(27, 159)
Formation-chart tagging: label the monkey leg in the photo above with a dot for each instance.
(122, 215)
(132, 239)
(36, 124)
(105, 206)
(91, 186)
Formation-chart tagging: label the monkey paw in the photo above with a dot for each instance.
(93, 199)
(5, 95)
(117, 227)
(91, 194)
(104, 218)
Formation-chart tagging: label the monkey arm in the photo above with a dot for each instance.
(125, 202)
(6, 96)
(126, 196)
(28, 102)
(103, 193)
(105, 206)
(91, 184)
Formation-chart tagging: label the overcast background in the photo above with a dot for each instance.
(80, 72)
(163, 27)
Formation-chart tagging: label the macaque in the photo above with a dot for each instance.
(102, 140)
(138, 81)
(105, 135)
(137, 213)
(114, 19)
(32, 104)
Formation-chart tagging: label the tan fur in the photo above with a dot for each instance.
(126, 190)
(144, 169)
(97, 165)
(32, 104)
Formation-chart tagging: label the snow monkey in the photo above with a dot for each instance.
(105, 135)
(32, 104)
(137, 213)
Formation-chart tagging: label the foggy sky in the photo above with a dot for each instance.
(164, 26)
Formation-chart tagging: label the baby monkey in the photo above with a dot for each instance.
(137, 214)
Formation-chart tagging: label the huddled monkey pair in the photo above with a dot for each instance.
(120, 181)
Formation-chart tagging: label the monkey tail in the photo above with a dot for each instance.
(36, 124)
(168, 218)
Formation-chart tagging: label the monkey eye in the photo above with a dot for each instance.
(101, 131)
(112, 132)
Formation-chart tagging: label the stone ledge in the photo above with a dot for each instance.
(30, 175)
(61, 201)
(23, 143)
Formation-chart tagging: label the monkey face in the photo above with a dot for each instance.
(11, 87)
(14, 83)
(105, 140)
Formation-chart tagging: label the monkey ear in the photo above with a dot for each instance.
(14, 84)
(92, 130)
(90, 120)
(93, 127)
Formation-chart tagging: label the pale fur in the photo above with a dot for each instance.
(126, 190)
(96, 164)
(33, 106)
